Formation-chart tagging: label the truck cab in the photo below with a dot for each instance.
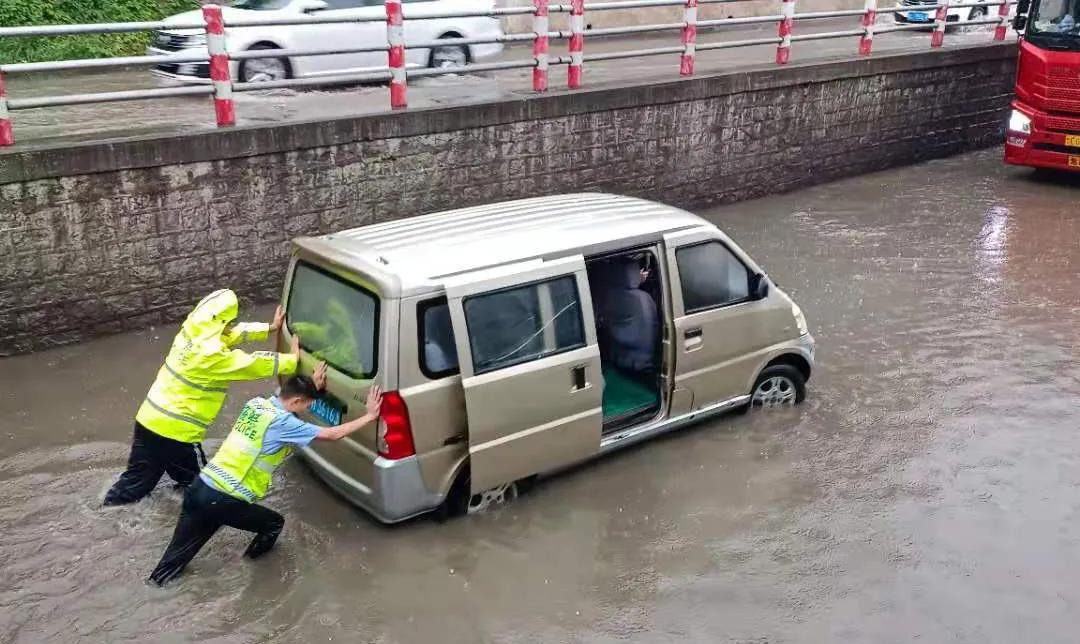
(1044, 125)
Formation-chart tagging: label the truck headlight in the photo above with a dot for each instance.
(1019, 122)
(800, 319)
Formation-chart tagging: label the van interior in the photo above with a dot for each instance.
(627, 306)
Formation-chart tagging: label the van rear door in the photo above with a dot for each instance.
(530, 366)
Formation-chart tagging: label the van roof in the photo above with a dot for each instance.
(420, 251)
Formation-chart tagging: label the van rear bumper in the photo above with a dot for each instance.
(397, 491)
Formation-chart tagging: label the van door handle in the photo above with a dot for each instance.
(693, 339)
(578, 376)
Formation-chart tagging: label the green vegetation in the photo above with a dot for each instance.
(57, 12)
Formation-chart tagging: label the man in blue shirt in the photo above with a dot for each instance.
(241, 471)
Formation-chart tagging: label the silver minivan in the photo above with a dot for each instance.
(519, 338)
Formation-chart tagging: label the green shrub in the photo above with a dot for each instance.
(57, 12)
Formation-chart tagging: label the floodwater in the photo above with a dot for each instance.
(113, 121)
(928, 490)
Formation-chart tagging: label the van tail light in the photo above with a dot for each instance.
(395, 438)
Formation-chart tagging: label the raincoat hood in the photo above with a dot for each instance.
(208, 319)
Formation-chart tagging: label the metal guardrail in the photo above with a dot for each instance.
(220, 61)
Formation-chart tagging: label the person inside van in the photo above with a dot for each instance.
(240, 473)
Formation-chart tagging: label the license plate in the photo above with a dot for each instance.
(1072, 140)
(1074, 162)
(918, 16)
(326, 411)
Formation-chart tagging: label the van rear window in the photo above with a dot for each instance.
(337, 321)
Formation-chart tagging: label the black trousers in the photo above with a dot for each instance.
(204, 511)
(151, 456)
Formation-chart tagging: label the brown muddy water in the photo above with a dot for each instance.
(928, 490)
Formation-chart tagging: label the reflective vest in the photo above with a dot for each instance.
(190, 387)
(239, 467)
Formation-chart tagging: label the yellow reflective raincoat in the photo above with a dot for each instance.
(190, 387)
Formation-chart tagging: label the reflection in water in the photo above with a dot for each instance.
(925, 491)
(992, 240)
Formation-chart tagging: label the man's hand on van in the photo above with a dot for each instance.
(374, 406)
(319, 376)
(374, 401)
(279, 319)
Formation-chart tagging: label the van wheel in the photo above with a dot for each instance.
(460, 501)
(778, 385)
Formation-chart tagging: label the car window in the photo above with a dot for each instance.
(524, 323)
(337, 321)
(438, 353)
(711, 276)
(260, 5)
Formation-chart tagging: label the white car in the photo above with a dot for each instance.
(343, 35)
(917, 15)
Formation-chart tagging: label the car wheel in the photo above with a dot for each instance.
(449, 56)
(777, 386)
(261, 70)
(977, 13)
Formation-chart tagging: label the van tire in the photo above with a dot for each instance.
(460, 500)
(778, 384)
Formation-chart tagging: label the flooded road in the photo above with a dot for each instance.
(928, 490)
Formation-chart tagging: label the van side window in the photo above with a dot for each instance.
(438, 353)
(524, 323)
(711, 276)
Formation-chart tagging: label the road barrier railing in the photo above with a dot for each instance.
(221, 85)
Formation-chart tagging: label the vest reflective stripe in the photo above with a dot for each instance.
(174, 374)
(183, 419)
(239, 467)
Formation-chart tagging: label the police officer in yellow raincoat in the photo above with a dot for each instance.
(190, 390)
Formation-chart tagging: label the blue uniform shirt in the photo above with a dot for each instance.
(286, 429)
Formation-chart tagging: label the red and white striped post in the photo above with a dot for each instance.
(940, 18)
(577, 43)
(866, 43)
(1003, 21)
(7, 137)
(787, 23)
(540, 45)
(395, 37)
(219, 66)
(689, 38)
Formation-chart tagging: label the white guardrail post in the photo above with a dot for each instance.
(866, 43)
(577, 43)
(942, 17)
(1003, 21)
(787, 24)
(395, 38)
(7, 137)
(540, 45)
(689, 38)
(219, 66)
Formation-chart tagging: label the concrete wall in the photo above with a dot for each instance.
(101, 237)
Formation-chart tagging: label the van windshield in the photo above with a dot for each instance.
(337, 321)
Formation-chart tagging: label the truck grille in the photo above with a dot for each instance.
(1063, 124)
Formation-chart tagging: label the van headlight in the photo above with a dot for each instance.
(1019, 122)
(800, 319)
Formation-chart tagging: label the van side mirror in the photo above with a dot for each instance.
(310, 6)
(1019, 22)
(759, 287)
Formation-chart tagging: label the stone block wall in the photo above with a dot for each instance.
(101, 237)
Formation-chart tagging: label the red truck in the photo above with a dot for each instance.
(1044, 126)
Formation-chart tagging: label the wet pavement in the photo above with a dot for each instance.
(926, 491)
(110, 121)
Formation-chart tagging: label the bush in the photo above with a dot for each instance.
(57, 12)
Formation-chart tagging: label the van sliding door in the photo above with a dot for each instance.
(530, 366)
